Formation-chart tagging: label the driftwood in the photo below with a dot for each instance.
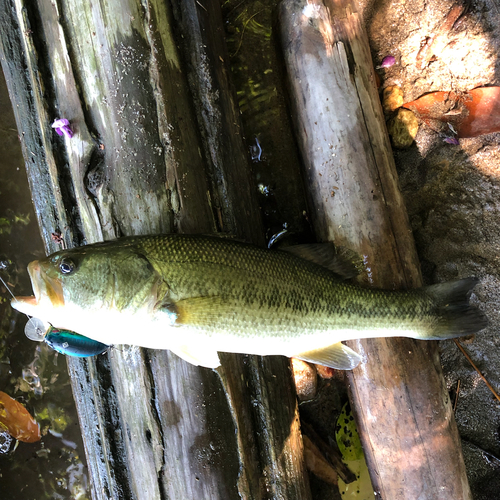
(399, 395)
(156, 149)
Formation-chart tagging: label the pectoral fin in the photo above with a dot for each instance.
(196, 311)
(199, 356)
(337, 356)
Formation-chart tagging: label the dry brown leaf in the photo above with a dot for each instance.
(17, 420)
(472, 113)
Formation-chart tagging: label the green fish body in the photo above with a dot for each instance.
(200, 295)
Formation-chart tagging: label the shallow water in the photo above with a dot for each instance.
(31, 372)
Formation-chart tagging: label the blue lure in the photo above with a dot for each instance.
(73, 344)
(63, 341)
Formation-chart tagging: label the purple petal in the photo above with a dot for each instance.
(451, 140)
(387, 62)
(66, 131)
(59, 123)
(61, 126)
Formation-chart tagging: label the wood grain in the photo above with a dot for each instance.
(153, 151)
(398, 392)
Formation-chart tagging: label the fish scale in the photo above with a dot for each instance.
(336, 303)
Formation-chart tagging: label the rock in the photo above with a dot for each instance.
(305, 378)
(403, 128)
(392, 98)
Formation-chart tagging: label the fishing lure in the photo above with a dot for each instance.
(73, 344)
(63, 341)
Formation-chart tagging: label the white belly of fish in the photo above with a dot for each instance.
(198, 345)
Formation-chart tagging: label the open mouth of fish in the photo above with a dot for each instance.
(47, 292)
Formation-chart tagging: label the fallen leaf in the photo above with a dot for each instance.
(352, 455)
(472, 113)
(17, 420)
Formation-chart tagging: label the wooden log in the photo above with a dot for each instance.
(205, 54)
(246, 380)
(153, 426)
(398, 393)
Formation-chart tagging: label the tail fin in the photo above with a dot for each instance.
(456, 316)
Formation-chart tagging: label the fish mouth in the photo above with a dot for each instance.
(47, 291)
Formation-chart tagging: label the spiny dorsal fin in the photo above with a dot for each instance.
(342, 261)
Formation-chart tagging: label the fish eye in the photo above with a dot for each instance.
(66, 265)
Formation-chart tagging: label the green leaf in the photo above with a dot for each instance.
(352, 455)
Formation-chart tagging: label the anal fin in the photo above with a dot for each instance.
(198, 356)
(337, 356)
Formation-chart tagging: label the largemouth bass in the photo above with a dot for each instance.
(200, 295)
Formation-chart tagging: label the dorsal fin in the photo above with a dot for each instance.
(342, 261)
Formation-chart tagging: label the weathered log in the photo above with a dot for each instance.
(153, 426)
(398, 393)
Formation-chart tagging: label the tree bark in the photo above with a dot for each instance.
(398, 393)
(157, 148)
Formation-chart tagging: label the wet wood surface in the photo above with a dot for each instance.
(398, 393)
(156, 148)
